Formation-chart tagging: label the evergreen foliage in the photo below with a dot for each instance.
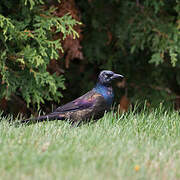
(27, 44)
(140, 39)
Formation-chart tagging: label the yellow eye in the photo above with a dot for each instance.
(105, 76)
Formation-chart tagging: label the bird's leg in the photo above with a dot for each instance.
(76, 123)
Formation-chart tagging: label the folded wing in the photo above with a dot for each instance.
(88, 100)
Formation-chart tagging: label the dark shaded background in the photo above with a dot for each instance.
(134, 38)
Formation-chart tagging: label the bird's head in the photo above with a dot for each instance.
(106, 77)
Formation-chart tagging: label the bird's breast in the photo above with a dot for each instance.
(109, 96)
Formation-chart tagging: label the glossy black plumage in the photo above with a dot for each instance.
(91, 105)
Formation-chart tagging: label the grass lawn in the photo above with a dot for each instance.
(134, 146)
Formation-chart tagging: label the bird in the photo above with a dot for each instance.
(91, 105)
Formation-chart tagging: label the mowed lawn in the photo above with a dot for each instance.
(143, 145)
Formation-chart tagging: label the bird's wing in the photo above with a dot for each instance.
(83, 102)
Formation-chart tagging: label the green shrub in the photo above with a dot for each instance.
(139, 39)
(27, 44)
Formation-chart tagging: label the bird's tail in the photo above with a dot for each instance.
(49, 117)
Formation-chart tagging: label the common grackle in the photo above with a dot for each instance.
(91, 105)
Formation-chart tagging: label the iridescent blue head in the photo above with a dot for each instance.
(106, 77)
(104, 87)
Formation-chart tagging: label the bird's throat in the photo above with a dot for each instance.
(106, 92)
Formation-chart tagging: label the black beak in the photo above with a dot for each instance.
(117, 76)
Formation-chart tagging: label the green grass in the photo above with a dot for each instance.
(112, 148)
